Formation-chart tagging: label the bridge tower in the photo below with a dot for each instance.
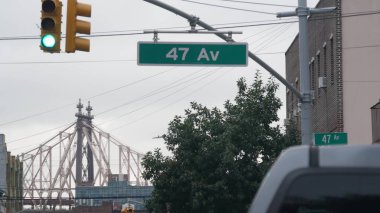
(84, 153)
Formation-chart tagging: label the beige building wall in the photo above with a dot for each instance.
(361, 67)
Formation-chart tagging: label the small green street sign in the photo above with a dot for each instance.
(331, 138)
(192, 54)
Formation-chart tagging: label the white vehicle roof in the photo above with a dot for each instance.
(302, 157)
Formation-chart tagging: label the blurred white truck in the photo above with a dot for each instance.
(326, 179)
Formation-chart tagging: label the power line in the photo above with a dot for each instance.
(55, 109)
(135, 100)
(127, 34)
(187, 27)
(106, 92)
(39, 133)
(262, 39)
(273, 37)
(232, 8)
(256, 3)
(170, 104)
(95, 96)
(84, 36)
(90, 61)
(150, 94)
(205, 76)
(198, 78)
(141, 30)
(66, 62)
(160, 90)
(364, 13)
(357, 14)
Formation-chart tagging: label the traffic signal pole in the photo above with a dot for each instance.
(306, 100)
(304, 95)
(195, 21)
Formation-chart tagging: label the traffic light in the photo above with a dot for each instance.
(74, 26)
(51, 16)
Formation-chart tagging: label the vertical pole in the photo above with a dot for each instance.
(306, 97)
(79, 155)
(138, 170)
(40, 190)
(129, 163)
(109, 154)
(306, 122)
(120, 153)
(33, 182)
(60, 159)
(51, 187)
(101, 164)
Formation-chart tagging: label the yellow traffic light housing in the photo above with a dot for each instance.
(51, 18)
(74, 26)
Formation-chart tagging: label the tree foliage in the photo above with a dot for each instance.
(218, 157)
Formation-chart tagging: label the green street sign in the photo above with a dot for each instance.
(331, 138)
(192, 54)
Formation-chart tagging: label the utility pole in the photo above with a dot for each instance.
(306, 100)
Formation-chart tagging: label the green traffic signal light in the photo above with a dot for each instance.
(48, 41)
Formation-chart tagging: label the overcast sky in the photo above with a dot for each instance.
(39, 91)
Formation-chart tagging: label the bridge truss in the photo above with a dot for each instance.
(80, 155)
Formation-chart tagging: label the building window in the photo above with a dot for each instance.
(312, 74)
(292, 100)
(318, 73)
(324, 60)
(332, 61)
(319, 64)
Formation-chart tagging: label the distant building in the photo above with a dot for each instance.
(11, 187)
(344, 59)
(3, 172)
(118, 192)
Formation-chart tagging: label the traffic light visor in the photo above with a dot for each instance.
(48, 41)
(48, 6)
(47, 23)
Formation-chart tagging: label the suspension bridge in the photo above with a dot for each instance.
(79, 155)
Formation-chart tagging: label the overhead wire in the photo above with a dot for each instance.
(109, 91)
(232, 8)
(40, 133)
(258, 3)
(155, 101)
(183, 86)
(149, 94)
(344, 15)
(272, 38)
(126, 34)
(88, 98)
(65, 62)
(169, 104)
(268, 33)
(257, 52)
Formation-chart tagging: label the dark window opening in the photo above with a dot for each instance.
(333, 193)
(312, 76)
(332, 62)
(324, 61)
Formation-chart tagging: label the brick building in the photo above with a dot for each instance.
(344, 55)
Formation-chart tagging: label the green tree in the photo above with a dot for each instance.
(218, 157)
